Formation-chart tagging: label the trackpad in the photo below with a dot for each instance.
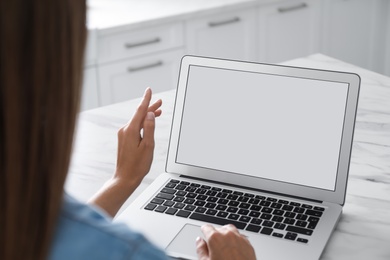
(184, 244)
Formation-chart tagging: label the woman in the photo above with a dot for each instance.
(41, 57)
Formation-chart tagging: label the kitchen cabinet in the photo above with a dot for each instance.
(128, 79)
(350, 31)
(130, 61)
(288, 30)
(230, 35)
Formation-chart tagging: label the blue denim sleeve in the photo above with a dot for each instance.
(84, 232)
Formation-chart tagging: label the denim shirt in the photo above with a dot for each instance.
(83, 232)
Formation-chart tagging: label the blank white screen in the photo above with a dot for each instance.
(275, 127)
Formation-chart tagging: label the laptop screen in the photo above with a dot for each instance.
(280, 128)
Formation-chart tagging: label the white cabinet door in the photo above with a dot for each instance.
(289, 30)
(89, 94)
(227, 35)
(351, 31)
(128, 79)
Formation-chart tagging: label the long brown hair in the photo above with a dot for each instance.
(41, 52)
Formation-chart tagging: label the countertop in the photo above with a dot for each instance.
(116, 15)
(364, 229)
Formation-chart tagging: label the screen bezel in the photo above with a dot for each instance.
(336, 196)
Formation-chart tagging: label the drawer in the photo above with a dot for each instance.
(128, 79)
(139, 42)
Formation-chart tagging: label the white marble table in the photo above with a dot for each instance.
(364, 229)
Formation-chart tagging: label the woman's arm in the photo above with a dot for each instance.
(135, 155)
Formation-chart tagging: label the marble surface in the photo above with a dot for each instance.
(118, 14)
(364, 228)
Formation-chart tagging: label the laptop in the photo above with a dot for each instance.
(264, 147)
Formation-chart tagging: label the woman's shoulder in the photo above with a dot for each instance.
(85, 232)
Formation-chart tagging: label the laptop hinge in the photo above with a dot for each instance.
(253, 189)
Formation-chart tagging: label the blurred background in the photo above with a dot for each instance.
(134, 44)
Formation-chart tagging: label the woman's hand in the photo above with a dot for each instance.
(223, 243)
(135, 155)
(135, 150)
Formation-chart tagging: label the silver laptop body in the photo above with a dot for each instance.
(260, 132)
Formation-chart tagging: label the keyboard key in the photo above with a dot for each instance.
(244, 205)
(221, 195)
(186, 183)
(265, 203)
(200, 210)
(243, 211)
(210, 205)
(232, 209)
(245, 219)
(278, 212)
(283, 201)
(222, 214)
(256, 221)
(306, 206)
(239, 193)
(275, 234)
(268, 223)
(200, 203)
(180, 187)
(266, 210)
(178, 199)
(233, 203)
(299, 210)
(266, 231)
(211, 212)
(253, 228)
(290, 236)
(233, 216)
(254, 214)
(250, 195)
(189, 201)
(221, 207)
(216, 189)
(179, 205)
(181, 193)
(301, 217)
(190, 189)
(242, 199)
(295, 204)
(319, 208)
(266, 216)
(171, 211)
(227, 191)
(211, 193)
(157, 201)
(255, 208)
(223, 201)
(165, 196)
(169, 203)
(191, 195)
(216, 220)
(205, 187)
(201, 197)
(277, 219)
(313, 213)
(196, 185)
(170, 185)
(212, 199)
(300, 230)
(290, 215)
(301, 223)
(232, 197)
(272, 199)
(289, 221)
(302, 240)
(259, 197)
(254, 201)
(276, 205)
(150, 206)
(287, 207)
(160, 209)
(190, 207)
(201, 191)
(280, 226)
(174, 181)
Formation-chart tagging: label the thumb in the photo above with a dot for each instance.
(149, 125)
(201, 249)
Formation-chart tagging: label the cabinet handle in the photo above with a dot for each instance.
(220, 23)
(292, 8)
(148, 66)
(138, 44)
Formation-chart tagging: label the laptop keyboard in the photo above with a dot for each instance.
(266, 215)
